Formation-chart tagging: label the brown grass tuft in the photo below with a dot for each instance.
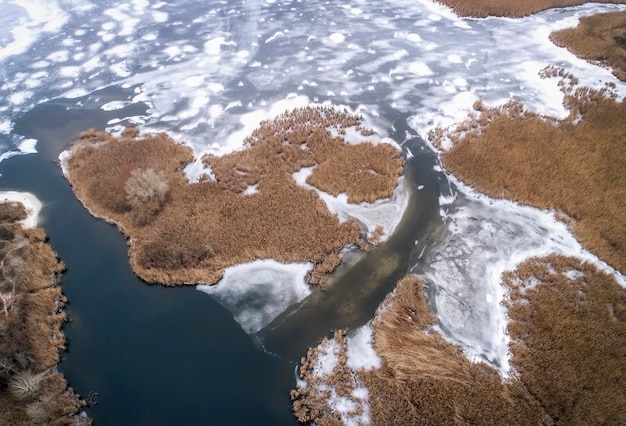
(513, 9)
(573, 166)
(201, 228)
(598, 38)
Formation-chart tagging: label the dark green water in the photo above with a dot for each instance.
(162, 356)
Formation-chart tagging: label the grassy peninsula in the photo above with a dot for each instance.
(572, 166)
(599, 38)
(251, 208)
(567, 328)
(31, 316)
(511, 9)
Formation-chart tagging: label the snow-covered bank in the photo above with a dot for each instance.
(484, 238)
(31, 204)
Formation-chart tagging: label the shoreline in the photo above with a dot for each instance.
(566, 262)
(31, 390)
(247, 176)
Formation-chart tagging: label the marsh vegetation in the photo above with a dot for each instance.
(599, 38)
(568, 324)
(31, 316)
(513, 9)
(572, 166)
(250, 208)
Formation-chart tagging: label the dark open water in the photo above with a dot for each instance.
(163, 356)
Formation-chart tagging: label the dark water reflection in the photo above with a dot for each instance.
(159, 355)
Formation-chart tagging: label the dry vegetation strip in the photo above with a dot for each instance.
(31, 393)
(568, 328)
(574, 166)
(183, 232)
(599, 38)
(512, 9)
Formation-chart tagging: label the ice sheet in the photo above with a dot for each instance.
(209, 76)
(257, 292)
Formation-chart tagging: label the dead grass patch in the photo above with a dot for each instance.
(599, 38)
(573, 166)
(423, 379)
(201, 228)
(31, 317)
(513, 9)
(567, 327)
(568, 334)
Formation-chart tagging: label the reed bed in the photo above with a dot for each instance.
(30, 328)
(567, 327)
(512, 9)
(599, 38)
(182, 232)
(568, 334)
(572, 166)
(422, 380)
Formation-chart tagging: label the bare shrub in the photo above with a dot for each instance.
(146, 193)
(165, 253)
(145, 185)
(40, 412)
(7, 366)
(25, 385)
(11, 212)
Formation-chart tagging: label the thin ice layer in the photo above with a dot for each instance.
(484, 238)
(257, 292)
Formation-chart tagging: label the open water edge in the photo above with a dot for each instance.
(180, 358)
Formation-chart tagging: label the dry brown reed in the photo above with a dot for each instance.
(30, 329)
(567, 327)
(206, 226)
(568, 334)
(572, 166)
(599, 38)
(312, 403)
(426, 380)
(513, 9)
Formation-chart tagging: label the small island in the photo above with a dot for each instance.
(31, 317)
(261, 202)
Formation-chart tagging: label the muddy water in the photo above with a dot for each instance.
(160, 355)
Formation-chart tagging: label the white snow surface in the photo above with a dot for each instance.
(385, 212)
(31, 204)
(207, 80)
(361, 353)
(484, 238)
(259, 291)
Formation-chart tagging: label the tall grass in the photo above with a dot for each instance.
(30, 328)
(207, 226)
(573, 166)
(598, 38)
(513, 9)
(567, 327)
(568, 334)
